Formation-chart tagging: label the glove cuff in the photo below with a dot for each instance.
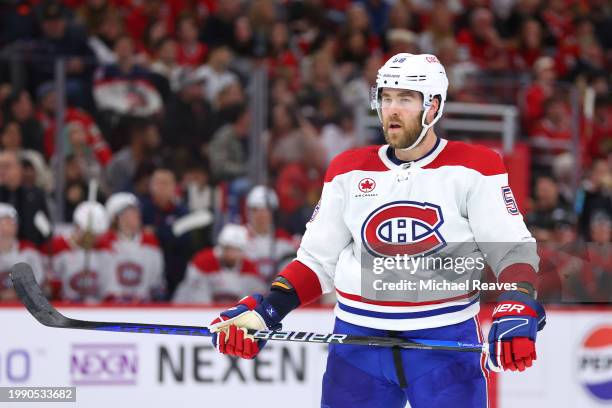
(516, 296)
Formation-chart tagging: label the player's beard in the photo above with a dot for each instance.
(409, 133)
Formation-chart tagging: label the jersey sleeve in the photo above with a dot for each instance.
(496, 222)
(194, 288)
(326, 235)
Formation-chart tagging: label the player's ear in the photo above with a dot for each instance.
(433, 110)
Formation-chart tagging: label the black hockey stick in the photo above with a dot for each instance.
(31, 296)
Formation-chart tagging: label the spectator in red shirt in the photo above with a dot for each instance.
(529, 46)
(190, 51)
(481, 42)
(542, 88)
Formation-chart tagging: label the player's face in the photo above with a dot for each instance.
(129, 220)
(231, 256)
(401, 114)
(261, 219)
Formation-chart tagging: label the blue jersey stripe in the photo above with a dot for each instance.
(411, 315)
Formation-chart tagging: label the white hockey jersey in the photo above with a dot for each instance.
(457, 193)
(83, 275)
(22, 251)
(269, 251)
(207, 280)
(139, 272)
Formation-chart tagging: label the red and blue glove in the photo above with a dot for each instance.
(229, 330)
(517, 318)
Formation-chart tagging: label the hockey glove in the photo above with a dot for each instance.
(229, 329)
(516, 320)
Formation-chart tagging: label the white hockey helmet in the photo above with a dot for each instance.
(417, 72)
(234, 235)
(7, 210)
(262, 197)
(91, 216)
(119, 202)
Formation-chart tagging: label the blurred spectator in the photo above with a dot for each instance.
(218, 28)
(269, 247)
(30, 203)
(529, 47)
(139, 276)
(92, 13)
(439, 29)
(46, 116)
(11, 140)
(400, 40)
(13, 250)
(83, 264)
(595, 196)
(221, 274)
(104, 35)
(228, 157)
(282, 61)
(462, 75)
(18, 107)
(144, 139)
(539, 90)
(165, 62)
(600, 143)
(143, 16)
(61, 38)
(356, 93)
(481, 41)
(202, 199)
(188, 124)
(215, 72)
(299, 187)
(321, 80)
(190, 51)
(552, 134)
(547, 209)
(126, 88)
(77, 184)
(338, 138)
(161, 209)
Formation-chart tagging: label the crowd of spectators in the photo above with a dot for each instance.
(157, 105)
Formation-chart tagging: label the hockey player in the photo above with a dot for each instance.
(221, 274)
(13, 250)
(139, 276)
(82, 262)
(268, 247)
(416, 193)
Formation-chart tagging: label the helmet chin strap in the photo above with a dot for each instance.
(424, 129)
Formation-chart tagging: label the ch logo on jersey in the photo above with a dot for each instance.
(85, 283)
(129, 274)
(367, 185)
(509, 200)
(403, 227)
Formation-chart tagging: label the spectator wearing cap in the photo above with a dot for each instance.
(139, 276)
(162, 208)
(62, 38)
(222, 274)
(595, 196)
(268, 246)
(11, 140)
(18, 107)
(29, 202)
(14, 250)
(547, 209)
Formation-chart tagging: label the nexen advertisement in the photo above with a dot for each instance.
(574, 366)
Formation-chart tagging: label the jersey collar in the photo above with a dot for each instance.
(383, 153)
